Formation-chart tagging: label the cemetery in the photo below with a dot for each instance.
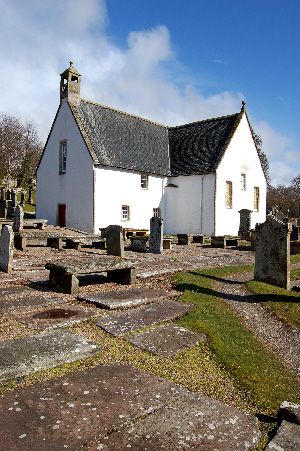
(85, 318)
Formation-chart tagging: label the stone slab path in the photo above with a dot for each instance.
(125, 299)
(167, 339)
(61, 316)
(124, 322)
(191, 422)
(12, 298)
(282, 339)
(75, 411)
(287, 438)
(25, 355)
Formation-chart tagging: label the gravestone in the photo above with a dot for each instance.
(6, 249)
(272, 253)
(22, 199)
(10, 209)
(30, 195)
(18, 219)
(156, 235)
(245, 223)
(8, 195)
(294, 233)
(3, 209)
(114, 240)
(2, 194)
(14, 198)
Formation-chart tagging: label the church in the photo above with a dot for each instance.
(103, 166)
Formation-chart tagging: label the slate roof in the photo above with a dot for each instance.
(125, 141)
(197, 148)
(122, 140)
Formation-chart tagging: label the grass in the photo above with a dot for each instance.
(255, 368)
(285, 304)
(29, 207)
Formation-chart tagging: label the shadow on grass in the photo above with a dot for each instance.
(219, 279)
(249, 298)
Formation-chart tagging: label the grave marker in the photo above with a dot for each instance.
(245, 223)
(18, 219)
(114, 240)
(6, 249)
(272, 255)
(156, 235)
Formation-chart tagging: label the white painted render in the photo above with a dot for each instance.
(240, 157)
(75, 187)
(114, 188)
(188, 207)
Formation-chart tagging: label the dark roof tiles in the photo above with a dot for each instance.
(197, 148)
(122, 140)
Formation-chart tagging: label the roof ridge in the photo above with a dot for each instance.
(124, 112)
(205, 120)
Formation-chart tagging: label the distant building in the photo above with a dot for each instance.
(101, 166)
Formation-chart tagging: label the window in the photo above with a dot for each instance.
(228, 195)
(62, 157)
(256, 198)
(125, 213)
(156, 212)
(144, 181)
(243, 182)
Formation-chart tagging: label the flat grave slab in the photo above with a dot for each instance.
(287, 438)
(12, 298)
(167, 339)
(69, 412)
(190, 422)
(26, 355)
(123, 322)
(124, 299)
(63, 315)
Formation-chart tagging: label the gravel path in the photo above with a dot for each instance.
(282, 339)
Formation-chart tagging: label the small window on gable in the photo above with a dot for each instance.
(144, 181)
(156, 212)
(125, 213)
(228, 195)
(256, 198)
(243, 182)
(62, 157)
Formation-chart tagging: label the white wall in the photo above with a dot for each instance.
(189, 208)
(75, 187)
(241, 157)
(114, 188)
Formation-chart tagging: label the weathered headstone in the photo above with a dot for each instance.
(114, 240)
(272, 254)
(30, 195)
(294, 233)
(156, 235)
(3, 209)
(245, 223)
(10, 209)
(22, 199)
(14, 198)
(6, 249)
(2, 194)
(8, 195)
(18, 219)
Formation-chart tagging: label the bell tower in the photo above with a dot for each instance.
(70, 85)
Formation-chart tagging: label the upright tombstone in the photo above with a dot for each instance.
(30, 195)
(22, 199)
(245, 223)
(6, 249)
(8, 195)
(18, 219)
(294, 233)
(114, 240)
(2, 194)
(272, 252)
(156, 235)
(3, 209)
(14, 199)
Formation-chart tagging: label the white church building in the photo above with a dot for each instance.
(102, 166)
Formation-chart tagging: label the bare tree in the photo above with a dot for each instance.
(20, 149)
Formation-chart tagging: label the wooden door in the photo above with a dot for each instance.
(62, 215)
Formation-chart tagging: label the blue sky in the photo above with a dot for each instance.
(173, 61)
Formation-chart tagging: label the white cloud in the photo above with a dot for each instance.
(37, 39)
(282, 155)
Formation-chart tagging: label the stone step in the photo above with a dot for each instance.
(38, 352)
(61, 316)
(22, 297)
(287, 438)
(124, 322)
(166, 339)
(84, 407)
(125, 299)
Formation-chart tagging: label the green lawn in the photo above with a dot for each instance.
(256, 369)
